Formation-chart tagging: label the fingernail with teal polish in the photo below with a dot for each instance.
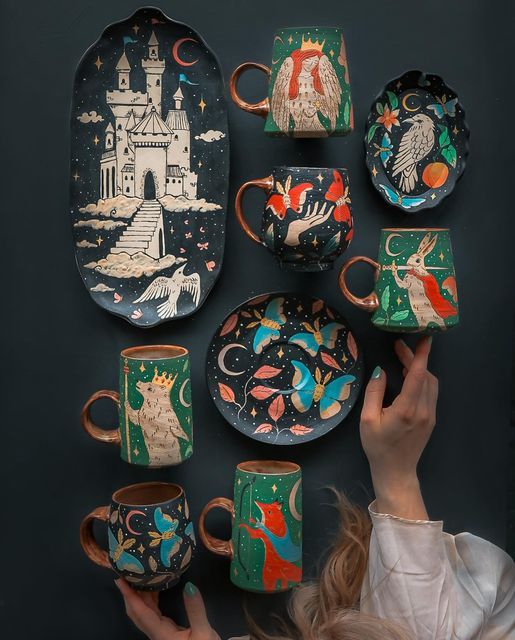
(376, 373)
(190, 589)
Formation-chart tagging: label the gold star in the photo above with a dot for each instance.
(98, 63)
(344, 358)
(300, 308)
(237, 333)
(253, 413)
(75, 176)
(290, 39)
(374, 171)
(274, 488)
(135, 28)
(96, 140)
(136, 451)
(141, 548)
(99, 240)
(433, 196)
(202, 104)
(280, 353)
(441, 256)
(314, 242)
(455, 130)
(399, 300)
(332, 53)
(199, 163)
(142, 367)
(320, 177)
(399, 84)
(239, 481)
(179, 508)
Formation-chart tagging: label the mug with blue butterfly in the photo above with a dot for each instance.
(307, 221)
(150, 535)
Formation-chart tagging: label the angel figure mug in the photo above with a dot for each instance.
(415, 288)
(265, 548)
(150, 535)
(309, 91)
(154, 407)
(307, 221)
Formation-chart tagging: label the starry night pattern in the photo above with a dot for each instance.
(416, 141)
(284, 368)
(149, 169)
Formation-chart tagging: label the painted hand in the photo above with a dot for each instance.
(142, 608)
(394, 437)
(312, 218)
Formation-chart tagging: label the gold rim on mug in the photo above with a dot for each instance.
(154, 352)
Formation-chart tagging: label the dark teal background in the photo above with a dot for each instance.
(58, 346)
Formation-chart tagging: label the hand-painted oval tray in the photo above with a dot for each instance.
(284, 368)
(416, 141)
(149, 169)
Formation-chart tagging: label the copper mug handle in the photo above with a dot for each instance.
(96, 432)
(260, 108)
(87, 539)
(262, 183)
(222, 548)
(368, 303)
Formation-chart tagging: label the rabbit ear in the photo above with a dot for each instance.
(288, 184)
(279, 187)
(427, 244)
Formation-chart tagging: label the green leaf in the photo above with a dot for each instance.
(385, 298)
(371, 132)
(346, 113)
(400, 315)
(449, 153)
(379, 108)
(379, 321)
(444, 138)
(394, 102)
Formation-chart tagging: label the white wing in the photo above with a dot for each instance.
(280, 96)
(331, 100)
(160, 288)
(191, 284)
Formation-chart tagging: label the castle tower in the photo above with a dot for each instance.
(108, 177)
(154, 69)
(109, 139)
(123, 68)
(179, 150)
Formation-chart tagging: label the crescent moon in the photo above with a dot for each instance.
(408, 95)
(181, 394)
(291, 501)
(277, 39)
(134, 512)
(221, 359)
(387, 244)
(175, 52)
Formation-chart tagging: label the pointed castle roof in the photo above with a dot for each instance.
(109, 128)
(131, 122)
(178, 95)
(153, 124)
(153, 39)
(123, 63)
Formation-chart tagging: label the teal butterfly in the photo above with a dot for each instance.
(384, 151)
(118, 553)
(309, 390)
(317, 337)
(167, 538)
(406, 202)
(444, 107)
(269, 325)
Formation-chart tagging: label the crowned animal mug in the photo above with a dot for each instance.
(307, 221)
(265, 548)
(415, 289)
(150, 535)
(309, 90)
(154, 407)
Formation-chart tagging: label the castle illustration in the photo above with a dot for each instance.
(146, 154)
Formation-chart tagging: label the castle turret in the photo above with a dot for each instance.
(178, 96)
(154, 69)
(179, 151)
(109, 139)
(123, 68)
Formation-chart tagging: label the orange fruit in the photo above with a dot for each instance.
(435, 175)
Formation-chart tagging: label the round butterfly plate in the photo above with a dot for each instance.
(284, 368)
(416, 141)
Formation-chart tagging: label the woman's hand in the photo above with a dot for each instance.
(143, 610)
(394, 437)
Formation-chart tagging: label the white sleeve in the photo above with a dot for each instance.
(438, 586)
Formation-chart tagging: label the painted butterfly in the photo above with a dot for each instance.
(406, 202)
(317, 337)
(443, 107)
(309, 390)
(385, 150)
(269, 325)
(167, 538)
(340, 196)
(118, 553)
(288, 198)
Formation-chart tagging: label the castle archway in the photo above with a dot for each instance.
(149, 186)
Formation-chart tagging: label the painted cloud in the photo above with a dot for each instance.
(118, 207)
(92, 116)
(122, 265)
(107, 225)
(180, 203)
(210, 136)
(101, 288)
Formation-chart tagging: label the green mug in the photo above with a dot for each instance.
(154, 407)
(309, 90)
(265, 548)
(415, 289)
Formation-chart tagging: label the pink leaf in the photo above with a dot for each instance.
(246, 314)
(276, 408)
(330, 314)
(352, 346)
(259, 299)
(267, 371)
(317, 306)
(266, 427)
(229, 324)
(261, 392)
(329, 361)
(210, 265)
(300, 430)
(226, 393)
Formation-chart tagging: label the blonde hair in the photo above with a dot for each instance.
(328, 609)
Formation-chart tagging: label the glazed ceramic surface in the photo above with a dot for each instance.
(284, 368)
(309, 90)
(154, 404)
(266, 542)
(416, 141)
(415, 288)
(148, 130)
(150, 535)
(307, 221)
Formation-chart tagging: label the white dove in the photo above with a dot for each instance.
(172, 287)
(415, 144)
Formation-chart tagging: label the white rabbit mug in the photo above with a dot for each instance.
(415, 289)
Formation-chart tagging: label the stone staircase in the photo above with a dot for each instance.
(145, 233)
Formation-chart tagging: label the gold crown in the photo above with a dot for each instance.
(312, 45)
(165, 379)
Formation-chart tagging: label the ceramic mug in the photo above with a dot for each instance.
(307, 221)
(154, 407)
(150, 535)
(265, 548)
(415, 289)
(309, 90)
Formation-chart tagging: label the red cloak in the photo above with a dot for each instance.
(441, 306)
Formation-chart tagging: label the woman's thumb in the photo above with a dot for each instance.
(196, 611)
